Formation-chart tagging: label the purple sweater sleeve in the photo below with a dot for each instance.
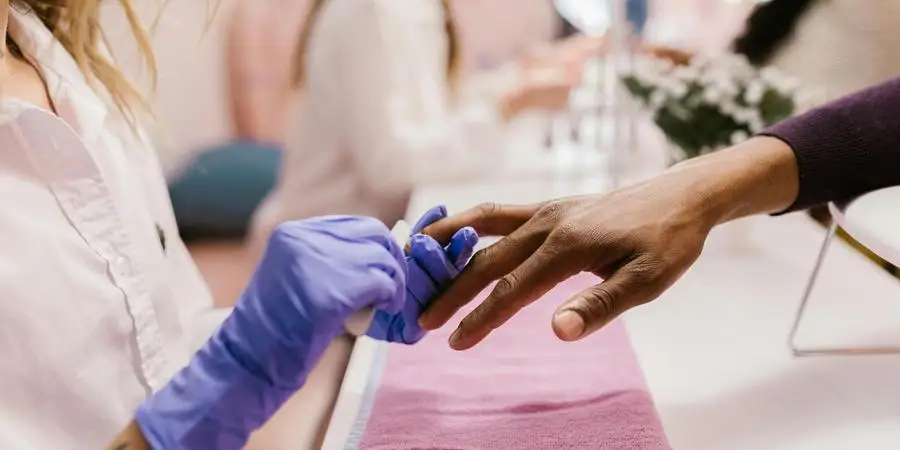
(846, 148)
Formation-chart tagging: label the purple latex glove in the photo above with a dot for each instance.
(314, 275)
(431, 269)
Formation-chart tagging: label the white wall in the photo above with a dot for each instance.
(189, 49)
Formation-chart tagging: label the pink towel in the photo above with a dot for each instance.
(520, 389)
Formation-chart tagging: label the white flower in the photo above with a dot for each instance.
(756, 125)
(664, 64)
(675, 88)
(728, 108)
(657, 99)
(778, 81)
(686, 73)
(738, 136)
(712, 96)
(728, 87)
(746, 116)
(754, 93)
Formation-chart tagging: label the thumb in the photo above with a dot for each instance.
(594, 307)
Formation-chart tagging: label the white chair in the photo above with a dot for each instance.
(873, 220)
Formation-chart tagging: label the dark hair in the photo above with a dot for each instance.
(768, 27)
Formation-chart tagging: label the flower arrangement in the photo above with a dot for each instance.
(712, 102)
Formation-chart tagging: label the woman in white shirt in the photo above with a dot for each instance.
(381, 111)
(102, 306)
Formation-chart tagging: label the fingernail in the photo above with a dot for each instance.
(455, 338)
(569, 325)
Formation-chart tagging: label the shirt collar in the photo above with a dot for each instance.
(75, 101)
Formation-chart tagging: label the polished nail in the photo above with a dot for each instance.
(569, 325)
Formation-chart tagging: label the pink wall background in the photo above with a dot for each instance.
(189, 49)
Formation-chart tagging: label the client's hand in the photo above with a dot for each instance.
(639, 243)
(431, 269)
(314, 275)
(640, 239)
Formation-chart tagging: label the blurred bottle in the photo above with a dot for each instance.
(636, 13)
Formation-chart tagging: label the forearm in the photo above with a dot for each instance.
(834, 153)
(131, 438)
(759, 176)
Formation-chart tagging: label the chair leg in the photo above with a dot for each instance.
(807, 293)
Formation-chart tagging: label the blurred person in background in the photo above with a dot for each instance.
(837, 46)
(217, 192)
(104, 306)
(380, 111)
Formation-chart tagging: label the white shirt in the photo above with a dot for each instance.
(95, 314)
(377, 116)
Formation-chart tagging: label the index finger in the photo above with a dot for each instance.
(488, 219)
(537, 275)
(486, 266)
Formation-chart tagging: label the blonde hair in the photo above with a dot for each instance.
(299, 70)
(76, 25)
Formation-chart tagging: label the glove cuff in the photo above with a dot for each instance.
(224, 395)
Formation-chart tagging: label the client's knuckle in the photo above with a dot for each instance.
(566, 233)
(481, 262)
(645, 273)
(550, 212)
(487, 210)
(481, 258)
(506, 285)
(600, 304)
(488, 316)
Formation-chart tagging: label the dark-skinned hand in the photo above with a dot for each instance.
(639, 240)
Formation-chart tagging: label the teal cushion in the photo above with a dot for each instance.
(216, 195)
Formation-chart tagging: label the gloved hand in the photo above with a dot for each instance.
(431, 269)
(313, 276)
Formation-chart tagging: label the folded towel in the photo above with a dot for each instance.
(520, 389)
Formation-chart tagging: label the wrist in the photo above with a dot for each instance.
(230, 388)
(758, 176)
(214, 402)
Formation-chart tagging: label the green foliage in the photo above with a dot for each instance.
(698, 121)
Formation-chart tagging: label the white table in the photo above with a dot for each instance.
(714, 350)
